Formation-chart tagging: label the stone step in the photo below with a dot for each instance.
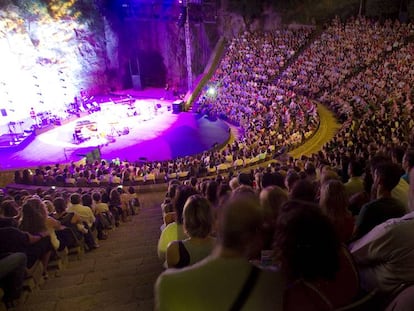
(119, 275)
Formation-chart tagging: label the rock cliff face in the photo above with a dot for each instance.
(159, 49)
(46, 60)
(53, 50)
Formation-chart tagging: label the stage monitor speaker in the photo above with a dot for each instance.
(3, 112)
(94, 155)
(178, 106)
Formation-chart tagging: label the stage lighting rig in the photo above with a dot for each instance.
(182, 17)
(211, 91)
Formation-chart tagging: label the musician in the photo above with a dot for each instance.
(33, 116)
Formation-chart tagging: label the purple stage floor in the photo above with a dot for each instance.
(160, 136)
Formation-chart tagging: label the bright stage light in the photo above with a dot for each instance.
(211, 91)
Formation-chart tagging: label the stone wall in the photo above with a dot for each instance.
(46, 60)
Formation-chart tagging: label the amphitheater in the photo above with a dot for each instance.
(294, 96)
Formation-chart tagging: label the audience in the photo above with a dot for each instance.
(319, 270)
(175, 231)
(12, 273)
(334, 203)
(216, 282)
(383, 206)
(385, 256)
(197, 224)
(271, 92)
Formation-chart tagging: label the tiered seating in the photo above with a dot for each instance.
(72, 245)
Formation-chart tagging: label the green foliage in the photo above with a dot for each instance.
(248, 9)
(319, 11)
(30, 9)
(382, 8)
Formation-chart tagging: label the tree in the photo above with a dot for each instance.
(248, 9)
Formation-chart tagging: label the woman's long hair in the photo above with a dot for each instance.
(34, 216)
(334, 200)
(306, 243)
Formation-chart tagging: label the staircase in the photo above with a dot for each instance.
(120, 275)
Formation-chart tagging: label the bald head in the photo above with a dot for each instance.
(240, 220)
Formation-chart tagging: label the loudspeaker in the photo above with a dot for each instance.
(3, 112)
(178, 106)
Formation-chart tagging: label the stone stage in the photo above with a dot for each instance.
(146, 130)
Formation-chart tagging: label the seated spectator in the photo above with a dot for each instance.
(334, 204)
(271, 199)
(320, 272)
(104, 218)
(34, 220)
(27, 178)
(408, 164)
(70, 220)
(175, 231)
(70, 180)
(9, 213)
(384, 206)
(115, 179)
(355, 183)
(303, 190)
(385, 256)
(234, 183)
(93, 180)
(115, 205)
(81, 181)
(245, 179)
(18, 177)
(85, 213)
(38, 178)
(197, 223)
(291, 178)
(12, 272)
(125, 197)
(361, 198)
(212, 192)
(226, 271)
(134, 203)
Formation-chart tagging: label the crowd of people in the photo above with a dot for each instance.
(337, 223)
(339, 52)
(295, 222)
(246, 93)
(37, 227)
(314, 233)
(272, 119)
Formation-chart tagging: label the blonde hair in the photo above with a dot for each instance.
(271, 199)
(334, 200)
(197, 216)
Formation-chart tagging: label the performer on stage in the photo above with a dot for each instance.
(33, 117)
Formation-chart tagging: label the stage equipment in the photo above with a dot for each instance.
(178, 106)
(84, 130)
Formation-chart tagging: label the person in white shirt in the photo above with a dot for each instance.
(385, 255)
(84, 212)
